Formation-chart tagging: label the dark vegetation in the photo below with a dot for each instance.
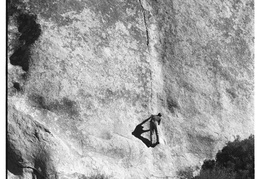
(17, 86)
(12, 7)
(234, 161)
(29, 31)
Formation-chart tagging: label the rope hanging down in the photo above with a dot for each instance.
(149, 56)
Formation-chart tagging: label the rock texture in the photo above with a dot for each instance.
(83, 73)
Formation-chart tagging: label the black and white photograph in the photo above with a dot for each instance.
(130, 89)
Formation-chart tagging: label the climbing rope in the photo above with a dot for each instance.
(151, 78)
(150, 101)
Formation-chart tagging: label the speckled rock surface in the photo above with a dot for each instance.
(83, 73)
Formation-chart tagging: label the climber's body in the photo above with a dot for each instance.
(153, 126)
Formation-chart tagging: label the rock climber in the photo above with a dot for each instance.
(153, 126)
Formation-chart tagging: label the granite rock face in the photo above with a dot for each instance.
(82, 74)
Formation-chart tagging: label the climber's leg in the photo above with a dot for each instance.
(151, 131)
(157, 136)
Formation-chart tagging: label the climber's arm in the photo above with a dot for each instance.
(146, 130)
(145, 120)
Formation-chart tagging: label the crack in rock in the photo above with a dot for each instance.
(145, 23)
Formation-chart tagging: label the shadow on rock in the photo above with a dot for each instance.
(139, 131)
(13, 160)
(42, 166)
